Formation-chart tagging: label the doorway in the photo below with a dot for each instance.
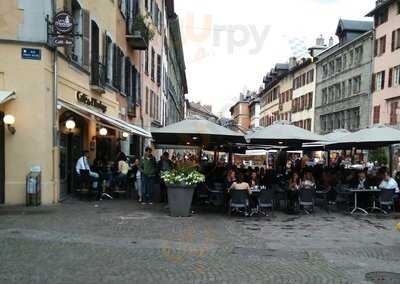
(71, 147)
(2, 161)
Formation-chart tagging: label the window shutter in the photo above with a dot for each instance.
(105, 55)
(120, 57)
(139, 88)
(393, 41)
(128, 68)
(390, 77)
(86, 39)
(383, 80)
(373, 83)
(114, 65)
(68, 8)
(376, 48)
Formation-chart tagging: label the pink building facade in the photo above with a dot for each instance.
(386, 67)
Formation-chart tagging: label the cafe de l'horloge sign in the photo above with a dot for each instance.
(63, 26)
(89, 101)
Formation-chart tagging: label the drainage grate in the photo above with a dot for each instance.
(381, 277)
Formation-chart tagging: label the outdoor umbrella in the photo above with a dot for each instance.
(369, 138)
(283, 133)
(196, 132)
(329, 139)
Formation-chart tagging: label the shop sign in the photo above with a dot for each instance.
(63, 23)
(63, 41)
(63, 29)
(31, 53)
(92, 102)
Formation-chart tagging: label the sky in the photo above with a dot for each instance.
(230, 45)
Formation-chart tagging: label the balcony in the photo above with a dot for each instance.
(138, 33)
(97, 77)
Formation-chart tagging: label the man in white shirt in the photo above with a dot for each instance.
(389, 183)
(83, 164)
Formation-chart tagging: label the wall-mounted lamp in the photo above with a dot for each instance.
(103, 131)
(125, 135)
(70, 125)
(9, 120)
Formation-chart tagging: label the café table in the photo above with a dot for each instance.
(356, 191)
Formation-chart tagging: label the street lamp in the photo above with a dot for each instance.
(70, 125)
(103, 131)
(9, 120)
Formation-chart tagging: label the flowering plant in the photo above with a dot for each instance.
(185, 176)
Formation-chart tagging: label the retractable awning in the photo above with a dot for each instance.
(113, 122)
(6, 96)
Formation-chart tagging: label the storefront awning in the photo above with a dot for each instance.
(6, 96)
(114, 122)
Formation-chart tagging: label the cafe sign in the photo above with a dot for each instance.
(89, 101)
(63, 23)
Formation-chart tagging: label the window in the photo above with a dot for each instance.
(395, 40)
(359, 54)
(350, 87)
(344, 89)
(393, 112)
(377, 112)
(153, 55)
(118, 57)
(379, 81)
(344, 61)
(338, 64)
(380, 46)
(331, 68)
(151, 104)
(398, 6)
(159, 70)
(147, 99)
(109, 56)
(351, 57)
(80, 52)
(381, 17)
(146, 61)
(396, 76)
(324, 71)
(356, 84)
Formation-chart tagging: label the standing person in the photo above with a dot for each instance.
(293, 192)
(83, 165)
(164, 165)
(123, 169)
(148, 167)
(137, 177)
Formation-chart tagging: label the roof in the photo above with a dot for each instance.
(383, 4)
(352, 25)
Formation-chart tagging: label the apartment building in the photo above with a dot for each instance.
(304, 74)
(343, 96)
(240, 112)
(94, 94)
(386, 62)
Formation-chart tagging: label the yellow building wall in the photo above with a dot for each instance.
(32, 143)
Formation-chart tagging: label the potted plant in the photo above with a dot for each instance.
(141, 30)
(181, 183)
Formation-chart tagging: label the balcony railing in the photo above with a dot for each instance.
(138, 33)
(98, 76)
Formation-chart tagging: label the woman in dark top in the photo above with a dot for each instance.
(293, 192)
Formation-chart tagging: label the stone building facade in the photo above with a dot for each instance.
(343, 81)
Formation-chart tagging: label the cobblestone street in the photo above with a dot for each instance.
(123, 242)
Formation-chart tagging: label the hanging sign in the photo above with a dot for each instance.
(63, 23)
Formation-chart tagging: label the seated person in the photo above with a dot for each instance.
(83, 164)
(308, 181)
(240, 184)
(329, 183)
(389, 183)
(361, 182)
(254, 181)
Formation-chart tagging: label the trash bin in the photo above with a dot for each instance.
(33, 188)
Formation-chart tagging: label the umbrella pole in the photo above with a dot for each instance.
(328, 158)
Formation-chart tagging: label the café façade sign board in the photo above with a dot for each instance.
(91, 102)
(63, 23)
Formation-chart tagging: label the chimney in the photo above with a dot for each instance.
(331, 41)
(320, 41)
(292, 62)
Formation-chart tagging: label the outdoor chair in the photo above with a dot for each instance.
(239, 202)
(306, 199)
(201, 193)
(84, 184)
(386, 200)
(280, 196)
(216, 197)
(266, 201)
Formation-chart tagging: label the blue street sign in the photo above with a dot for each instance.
(31, 53)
